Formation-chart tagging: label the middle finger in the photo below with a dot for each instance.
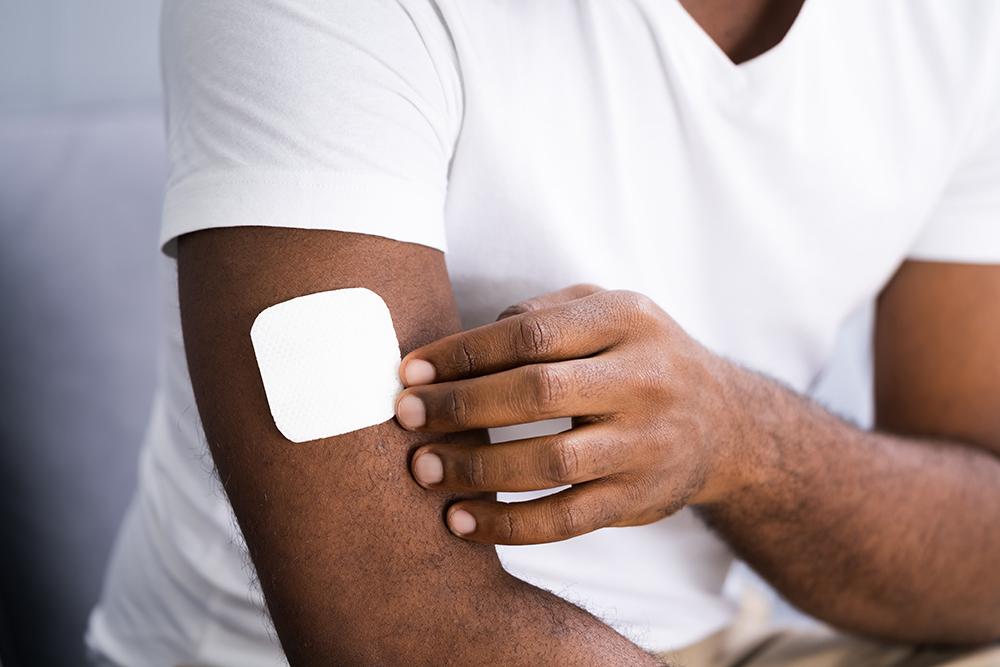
(576, 388)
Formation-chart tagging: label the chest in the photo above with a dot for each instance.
(759, 205)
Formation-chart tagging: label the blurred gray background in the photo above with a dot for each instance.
(81, 172)
(81, 177)
(64, 55)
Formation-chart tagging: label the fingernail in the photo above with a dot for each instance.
(428, 469)
(461, 522)
(418, 371)
(410, 412)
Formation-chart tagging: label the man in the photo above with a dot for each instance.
(736, 177)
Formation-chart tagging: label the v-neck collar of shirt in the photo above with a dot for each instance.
(700, 50)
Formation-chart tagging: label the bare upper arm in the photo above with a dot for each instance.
(315, 514)
(937, 352)
(353, 557)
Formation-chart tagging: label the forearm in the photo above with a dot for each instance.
(879, 534)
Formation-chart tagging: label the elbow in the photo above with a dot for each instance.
(957, 624)
(964, 624)
(952, 629)
(969, 632)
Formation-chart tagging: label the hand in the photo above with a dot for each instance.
(651, 414)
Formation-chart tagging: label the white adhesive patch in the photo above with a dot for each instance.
(329, 362)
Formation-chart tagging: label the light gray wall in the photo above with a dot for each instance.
(82, 168)
(73, 54)
(80, 199)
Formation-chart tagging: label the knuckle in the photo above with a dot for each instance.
(466, 357)
(533, 336)
(612, 512)
(569, 519)
(520, 309)
(550, 387)
(563, 461)
(636, 309)
(507, 527)
(475, 469)
(588, 288)
(458, 407)
(637, 302)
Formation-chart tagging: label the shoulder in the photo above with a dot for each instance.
(313, 67)
(328, 114)
(306, 40)
(938, 61)
(959, 39)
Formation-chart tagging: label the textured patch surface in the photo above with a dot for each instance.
(329, 362)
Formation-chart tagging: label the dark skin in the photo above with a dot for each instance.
(744, 30)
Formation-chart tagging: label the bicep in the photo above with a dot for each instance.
(937, 358)
(337, 529)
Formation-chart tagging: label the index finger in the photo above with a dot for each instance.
(571, 330)
(550, 299)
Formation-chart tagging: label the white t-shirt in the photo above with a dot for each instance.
(541, 144)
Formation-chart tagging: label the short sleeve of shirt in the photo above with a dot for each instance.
(314, 114)
(965, 224)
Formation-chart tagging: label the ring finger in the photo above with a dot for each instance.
(560, 516)
(571, 457)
